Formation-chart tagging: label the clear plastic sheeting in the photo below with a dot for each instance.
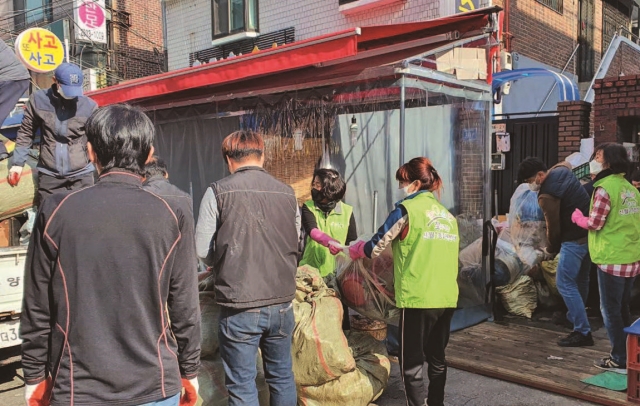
(527, 227)
(366, 127)
(366, 285)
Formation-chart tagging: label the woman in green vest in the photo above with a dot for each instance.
(614, 241)
(425, 242)
(325, 218)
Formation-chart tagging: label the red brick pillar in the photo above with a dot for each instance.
(573, 125)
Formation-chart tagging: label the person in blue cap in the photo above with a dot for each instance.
(60, 113)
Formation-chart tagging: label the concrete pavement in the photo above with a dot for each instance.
(463, 389)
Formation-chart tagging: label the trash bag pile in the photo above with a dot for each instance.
(527, 226)
(317, 336)
(366, 285)
(211, 377)
(519, 298)
(329, 367)
(359, 387)
(519, 274)
(528, 287)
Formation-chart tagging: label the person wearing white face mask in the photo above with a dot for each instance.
(425, 241)
(614, 234)
(560, 194)
(595, 167)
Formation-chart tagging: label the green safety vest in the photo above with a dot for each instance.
(425, 263)
(618, 242)
(336, 226)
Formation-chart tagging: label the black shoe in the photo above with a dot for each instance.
(576, 339)
(607, 364)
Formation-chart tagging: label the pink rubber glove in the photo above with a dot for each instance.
(356, 251)
(334, 250)
(580, 219)
(321, 238)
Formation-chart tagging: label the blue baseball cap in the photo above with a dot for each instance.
(69, 78)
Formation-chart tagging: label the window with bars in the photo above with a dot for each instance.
(555, 5)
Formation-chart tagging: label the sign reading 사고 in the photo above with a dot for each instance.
(39, 50)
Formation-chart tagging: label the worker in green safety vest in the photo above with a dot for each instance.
(326, 219)
(614, 241)
(425, 242)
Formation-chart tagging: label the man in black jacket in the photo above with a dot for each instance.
(560, 194)
(60, 113)
(110, 313)
(156, 181)
(247, 232)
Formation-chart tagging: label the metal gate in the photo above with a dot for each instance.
(530, 137)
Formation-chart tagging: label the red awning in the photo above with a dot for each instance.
(349, 49)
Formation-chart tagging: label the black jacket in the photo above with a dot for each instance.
(161, 186)
(111, 298)
(560, 194)
(256, 243)
(63, 146)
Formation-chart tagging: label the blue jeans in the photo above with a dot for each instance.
(615, 293)
(241, 333)
(170, 401)
(572, 279)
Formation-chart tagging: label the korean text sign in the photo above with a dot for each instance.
(39, 50)
(92, 21)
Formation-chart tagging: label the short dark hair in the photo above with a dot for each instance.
(242, 144)
(333, 186)
(615, 155)
(155, 167)
(121, 136)
(635, 176)
(529, 167)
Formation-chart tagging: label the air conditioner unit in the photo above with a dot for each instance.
(506, 61)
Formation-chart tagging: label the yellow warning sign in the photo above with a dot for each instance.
(39, 50)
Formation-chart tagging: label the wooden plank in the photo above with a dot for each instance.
(581, 365)
(519, 354)
(537, 348)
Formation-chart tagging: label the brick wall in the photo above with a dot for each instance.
(547, 36)
(614, 98)
(470, 182)
(139, 48)
(626, 62)
(573, 125)
(189, 21)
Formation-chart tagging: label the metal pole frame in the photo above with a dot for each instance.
(402, 118)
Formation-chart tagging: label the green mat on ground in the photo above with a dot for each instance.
(608, 380)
